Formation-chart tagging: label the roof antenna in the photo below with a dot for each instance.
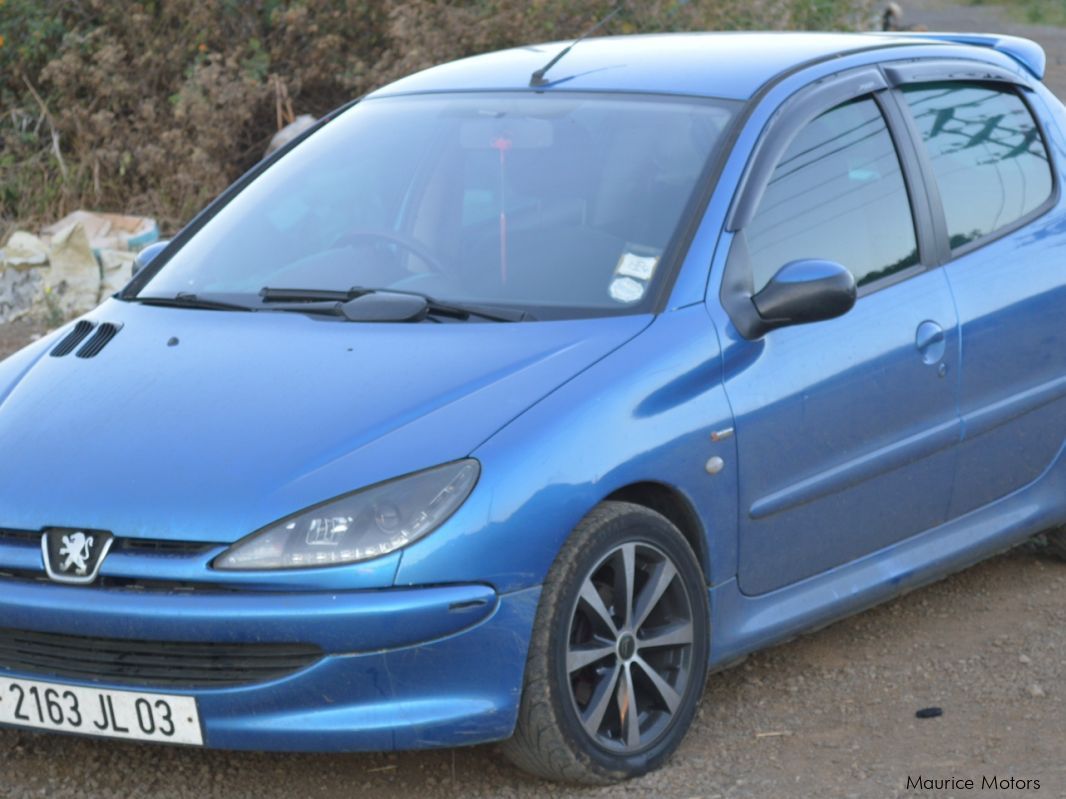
(537, 78)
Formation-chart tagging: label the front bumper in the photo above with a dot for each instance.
(401, 668)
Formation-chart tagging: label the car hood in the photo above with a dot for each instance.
(206, 425)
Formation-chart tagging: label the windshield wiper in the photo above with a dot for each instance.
(360, 304)
(184, 299)
(464, 312)
(312, 295)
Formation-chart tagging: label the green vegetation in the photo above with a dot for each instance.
(153, 107)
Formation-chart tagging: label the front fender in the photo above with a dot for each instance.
(643, 413)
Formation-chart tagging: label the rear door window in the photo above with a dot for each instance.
(986, 150)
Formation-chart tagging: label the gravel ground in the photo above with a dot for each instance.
(831, 714)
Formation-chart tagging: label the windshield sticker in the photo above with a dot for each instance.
(642, 267)
(626, 289)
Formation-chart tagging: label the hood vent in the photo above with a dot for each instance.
(73, 339)
(101, 337)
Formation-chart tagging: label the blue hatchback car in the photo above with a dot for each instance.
(514, 397)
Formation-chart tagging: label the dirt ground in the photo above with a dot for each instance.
(16, 335)
(828, 715)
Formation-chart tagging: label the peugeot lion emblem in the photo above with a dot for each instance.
(74, 556)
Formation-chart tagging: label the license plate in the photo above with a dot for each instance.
(92, 711)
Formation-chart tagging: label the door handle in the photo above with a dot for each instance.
(931, 342)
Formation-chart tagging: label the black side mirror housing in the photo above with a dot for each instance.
(145, 256)
(805, 291)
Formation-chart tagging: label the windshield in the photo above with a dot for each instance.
(564, 201)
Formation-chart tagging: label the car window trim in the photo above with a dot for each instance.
(787, 120)
(949, 71)
(785, 123)
(937, 252)
(917, 194)
(940, 70)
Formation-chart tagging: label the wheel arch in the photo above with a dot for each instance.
(676, 507)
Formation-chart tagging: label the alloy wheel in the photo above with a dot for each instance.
(629, 656)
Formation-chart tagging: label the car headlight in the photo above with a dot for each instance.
(366, 524)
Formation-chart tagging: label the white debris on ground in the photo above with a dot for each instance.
(25, 250)
(73, 277)
(20, 287)
(108, 231)
(116, 269)
(72, 266)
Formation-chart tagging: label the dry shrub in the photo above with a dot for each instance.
(153, 107)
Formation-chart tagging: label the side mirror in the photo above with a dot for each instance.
(145, 256)
(805, 291)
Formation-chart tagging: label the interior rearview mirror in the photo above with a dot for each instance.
(805, 291)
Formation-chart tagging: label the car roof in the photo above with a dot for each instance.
(726, 65)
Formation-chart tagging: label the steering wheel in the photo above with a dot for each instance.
(409, 244)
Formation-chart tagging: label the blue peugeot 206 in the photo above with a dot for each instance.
(516, 396)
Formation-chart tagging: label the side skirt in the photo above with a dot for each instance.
(741, 624)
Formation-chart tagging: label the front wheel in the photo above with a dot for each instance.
(618, 657)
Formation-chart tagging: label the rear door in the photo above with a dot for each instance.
(846, 429)
(1004, 226)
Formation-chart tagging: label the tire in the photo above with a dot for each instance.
(1056, 542)
(588, 663)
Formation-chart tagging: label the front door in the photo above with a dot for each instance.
(847, 430)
